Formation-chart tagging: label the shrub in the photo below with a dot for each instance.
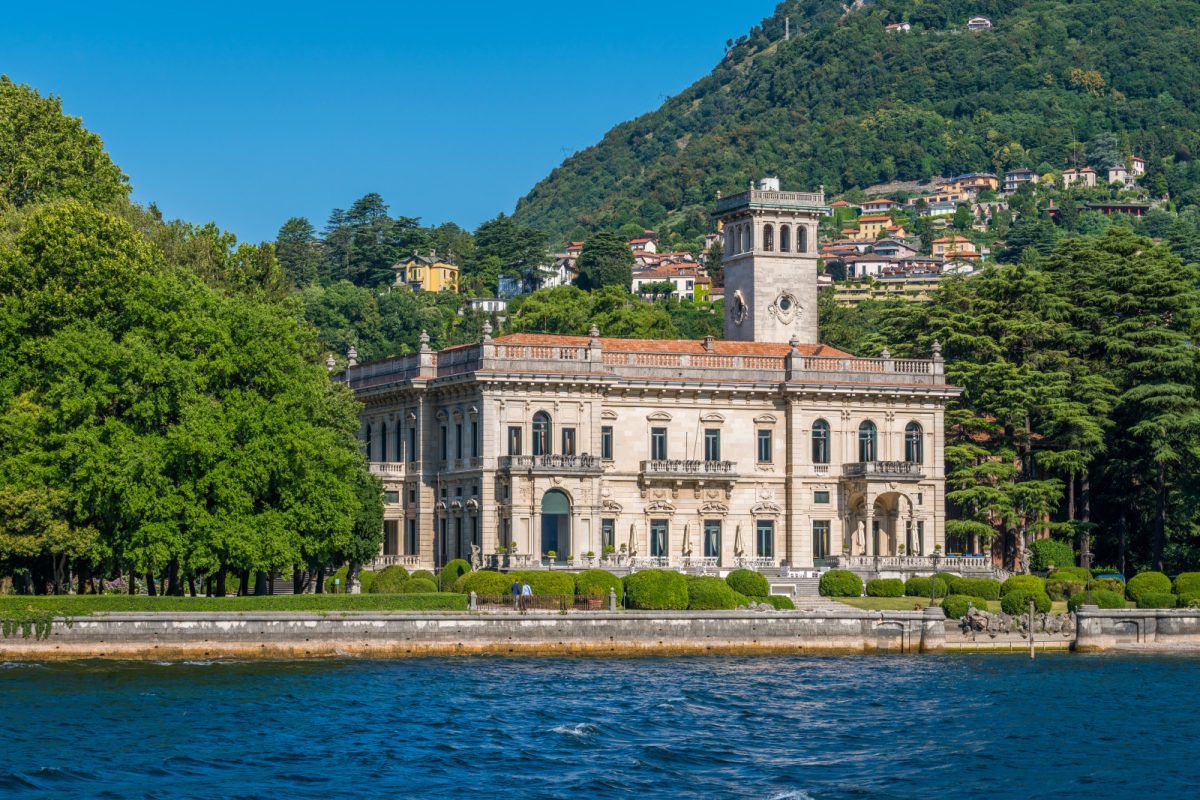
(365, 579)
(709, 593)
(1045, 552)
(453, 570)
(388, 581)
(1189, 600)
(748, 582)
(921, 587)
(987, 588)
(1070, 573)
(1147, 583)
(597, 583)
(955, 605)
(945, 579)
(418, 586)
(1111, 584)
(840, 583)
(485, 582)
(424, 573)
(1030, 583)
(1187, 583)
(779, 601)
(1062, 588)
(656, 589)
(1016, 602)
(885, 587)
(543, 583)
(1157, 600)
(1101, 597)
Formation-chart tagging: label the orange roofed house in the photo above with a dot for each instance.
(764, 449)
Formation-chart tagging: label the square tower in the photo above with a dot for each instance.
(770, 263)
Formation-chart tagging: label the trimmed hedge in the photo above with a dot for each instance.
(417, 586)
(710, 593)
(921, 587)
(389, 580)
(779, 601)
(955, 605)
(485, 581)
(597, 583)
(885, 587)
(453, 570)
(424, 573)
(84, 604)
(1045, 552)
(657, 589)
(1030, 583)
(1062, 588)
(987, 588)
(1157, 600)
(1101, 597)
(544, 582)
(1147, 583)
(945, 578)
(1070, 573)
(748, 582)
(1187, 583)
(1016, 602)
(840, 583)
(1111, 584)
(1189, 600)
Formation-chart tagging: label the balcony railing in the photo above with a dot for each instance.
(883, 469)
(392, 560)
(754, 196)
(388, 469)
(688, 468)
(973, 564)
(552, 462)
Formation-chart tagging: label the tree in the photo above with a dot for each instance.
(963, 218)
(605, 260)
(520, 250)
(298, 251)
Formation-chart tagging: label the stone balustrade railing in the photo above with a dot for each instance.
(382, 561)
(388, 469)
(556, 461)
(689, 467)
(752, 196)
(886, 469)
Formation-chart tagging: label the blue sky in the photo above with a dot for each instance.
(246, 114)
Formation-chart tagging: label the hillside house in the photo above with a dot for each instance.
(952, 247)
(880, 205)
(1016, 178)
(871, 226)
(1084, 176)
(1137, 166)
(979, 24)
(426, 273)
(898, 27)
(1120, 175)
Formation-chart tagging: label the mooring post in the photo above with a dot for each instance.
(473, 601)
(612, 599)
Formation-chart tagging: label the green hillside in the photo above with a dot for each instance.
(845, 103)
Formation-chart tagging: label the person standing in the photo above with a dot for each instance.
(526, 594)
(516, 594)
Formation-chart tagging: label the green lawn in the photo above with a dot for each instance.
(81, 605)
(907, 603)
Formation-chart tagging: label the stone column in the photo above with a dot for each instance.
(869, 544)
(933, 630)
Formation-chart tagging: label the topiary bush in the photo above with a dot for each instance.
(987, 588)
(955, 605)
(1157, 600)
(748, 582)
(779, 601)
(1030, 583)
(711, 593)
(1189, 600)
(417, 586)
(389, 580)
(885, 587)
(840, 583)
(1047, 552)
(453, 570)
(1187, 583)
(365, 579)
(424, 573)
(1016, 602)
(1100, 597)
(544, 582)
(945, 579)
(1070, 573)
(1062, 588)
(1111, 584)
(483, 582)
(921, 587)
(597, 583)
(656, 589)
(1147, 583)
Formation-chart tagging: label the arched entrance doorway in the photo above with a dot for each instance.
(556, 523)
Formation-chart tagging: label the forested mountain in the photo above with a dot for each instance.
(845, 103)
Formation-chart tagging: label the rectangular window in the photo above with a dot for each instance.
(568, 441)
(383, 441)
(412, 443)
(445, 438)
(766, 449)
(391, 497)
(608, 535)
(412, 547)
(458, 440)
(444, 546)
(391, 537)
(658, 538)
(658, 443)
(922, 546)
(821, 497)
(712, 538)
(412, 493)
(458, 491)
(820, 543)
(474, 439)
(514, 440)
(606, 442)
(712, 444)
(765, 538)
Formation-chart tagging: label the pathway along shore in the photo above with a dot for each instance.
(275, 635)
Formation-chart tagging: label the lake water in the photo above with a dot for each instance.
(821, 728)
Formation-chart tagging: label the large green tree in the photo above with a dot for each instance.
(605, 260)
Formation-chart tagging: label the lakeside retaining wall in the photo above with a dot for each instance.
(1099, 629)
(297, 635)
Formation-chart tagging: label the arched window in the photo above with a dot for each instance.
(785, 238)
(747, 239)
(768, 238)
(730, 243)
(914, 447)
(867, 436)
(801, 239)
(541, 434)
(820, 442)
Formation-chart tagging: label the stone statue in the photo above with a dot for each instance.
(1026, 555)
(476, 557)
(860, 535)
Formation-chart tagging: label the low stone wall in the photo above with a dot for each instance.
(1136, 628)
(299, 635)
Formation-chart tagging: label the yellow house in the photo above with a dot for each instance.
(950, 247)
(426, 273)
(871, 226)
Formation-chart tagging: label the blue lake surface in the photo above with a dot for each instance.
(820, 728)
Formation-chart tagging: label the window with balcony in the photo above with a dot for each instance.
(868, 439)
(541, 434)
(712, 444)
(606, 442)
(820, 540)
(658, 444)
(766, 450)
(608, 534)
(820, 442)
(391, 537)
(514, 440)
(383, 437)
(764, 538)
(658, 538)
(568, 441)
(411, 546)
(398, 442)
(712, 538)
(914, 445)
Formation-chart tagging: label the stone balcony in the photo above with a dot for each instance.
(883, 470)
(551, 464)
(388, 469)
(686, 469)
(765, 197)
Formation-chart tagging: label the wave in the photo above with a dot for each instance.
(795, 794)
(581, 730)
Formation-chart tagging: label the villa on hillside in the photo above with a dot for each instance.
(426, 273)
